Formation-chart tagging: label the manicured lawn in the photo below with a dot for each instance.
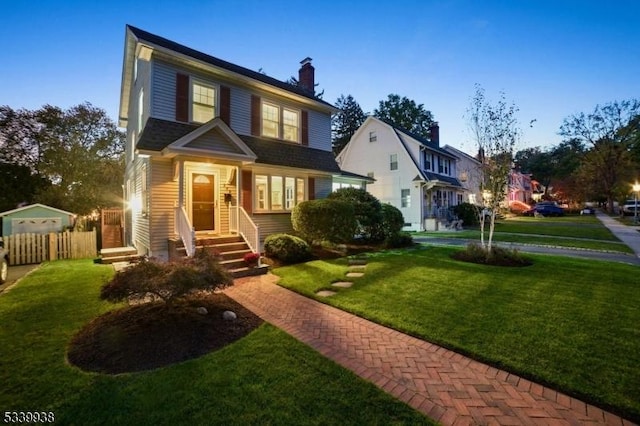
(542, 240)
(585, 232)
(571, 323)
(265, 378)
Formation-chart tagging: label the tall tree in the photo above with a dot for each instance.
(610, 131)
(345, 122)
(405, 114)
(79, 152)
(496, 132)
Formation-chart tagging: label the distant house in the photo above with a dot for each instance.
(411, 173)
(215, 149)
(469, 174)
(35, 218)
(520, 189)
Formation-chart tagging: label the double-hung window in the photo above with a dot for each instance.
(393, 162)
(203, 101)
(405, 198)
(280, 122)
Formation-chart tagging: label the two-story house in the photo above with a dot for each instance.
(411, 173)
(214, 148)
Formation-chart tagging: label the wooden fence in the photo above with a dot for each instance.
(35, 248)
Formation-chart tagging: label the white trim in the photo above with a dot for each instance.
(36, 205)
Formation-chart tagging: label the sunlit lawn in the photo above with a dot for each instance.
(570, 323)
(266, 378)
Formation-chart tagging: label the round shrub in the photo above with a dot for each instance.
(392, 220)
(468, 213)
(286, 248)
(368, 211)
(324, 220)
(398, 240)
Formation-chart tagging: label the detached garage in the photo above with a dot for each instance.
(35, 219)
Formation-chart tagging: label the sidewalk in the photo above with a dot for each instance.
(629, 235)
(442, 384)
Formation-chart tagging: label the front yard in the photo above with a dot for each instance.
(266, 378)
(585, 232)
(570, 323)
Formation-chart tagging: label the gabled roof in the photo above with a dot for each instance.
(459, 153)
(211, 138)
(135, 36)
(31, 206)
(159, 134)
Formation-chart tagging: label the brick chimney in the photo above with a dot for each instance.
(434, 132)
(306, 75)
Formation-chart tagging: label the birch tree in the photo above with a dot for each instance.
(495, 131)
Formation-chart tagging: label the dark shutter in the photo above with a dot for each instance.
(305, 128)
(225, 104)
(247, 193)
(255, 115)
(312, 188)
(182, 97)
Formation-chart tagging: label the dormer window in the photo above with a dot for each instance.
(203, 101)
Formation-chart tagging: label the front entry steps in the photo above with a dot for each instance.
(119, 254)
(231, 250)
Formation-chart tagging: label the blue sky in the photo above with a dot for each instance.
(551, 58)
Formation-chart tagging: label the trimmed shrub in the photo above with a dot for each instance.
(367, 209)
(499, 256)
(286, 248)
(324, 220)
(398, 240)
(392, 221)
(468, 213)
(167, 281)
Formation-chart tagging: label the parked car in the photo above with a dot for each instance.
(629, 207)
(4, 262)
(545, 208)
(587, 210)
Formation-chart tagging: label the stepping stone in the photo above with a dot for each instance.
(342, 284)
(325, 293)
(355, 274)
(357, 268)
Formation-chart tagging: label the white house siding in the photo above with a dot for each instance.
(163, 191)
(140, 236)
(364, 157)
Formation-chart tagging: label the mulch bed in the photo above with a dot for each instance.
(154, 335)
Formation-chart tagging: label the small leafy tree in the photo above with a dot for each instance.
(496, 132)
(167, 281)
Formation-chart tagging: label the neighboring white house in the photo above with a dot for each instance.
(411, 173)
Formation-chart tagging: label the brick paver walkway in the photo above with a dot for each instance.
(442, 384)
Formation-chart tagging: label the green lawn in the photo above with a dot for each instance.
(585, 232)
(266, 378)
(571, 323)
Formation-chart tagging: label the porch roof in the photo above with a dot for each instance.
(158, 134)
(440, 178)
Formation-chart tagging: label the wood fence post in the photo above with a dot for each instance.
(53, 246)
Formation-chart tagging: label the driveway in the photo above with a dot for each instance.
(15, 273)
